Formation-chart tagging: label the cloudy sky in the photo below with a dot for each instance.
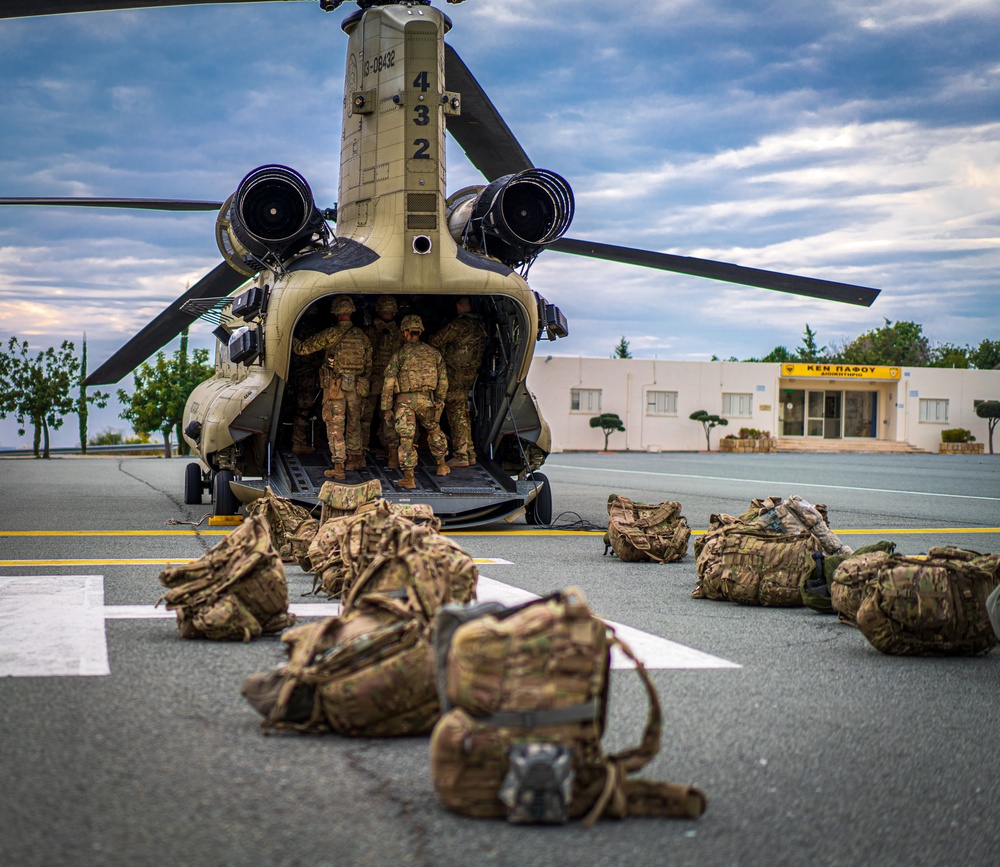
(855, 141)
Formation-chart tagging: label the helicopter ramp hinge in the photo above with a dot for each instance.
(363, 102)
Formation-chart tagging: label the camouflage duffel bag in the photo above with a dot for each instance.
(932, 606)
(641, 531)
(235, 592)
(993, 607)
(817, 590)
(355, 676)
(753, 566)
(852, 581)
(292, 527)
(524, 694)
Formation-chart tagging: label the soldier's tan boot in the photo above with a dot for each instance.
(337, 472)
(393, 459)
(460, 461)
(356, 462)
(442, 468)
(407, 481)
(302, 449)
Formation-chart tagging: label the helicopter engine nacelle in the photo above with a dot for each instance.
(271, 214)
(514, 217)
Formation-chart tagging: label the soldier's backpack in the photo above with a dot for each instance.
(933, 606)
(339, 500)
(370, 671)
(993, 607)
(525, 698)
(764, 556)
(753, 566)
(292, 527)
(852, 580)
(235, 592)
(643, 531)
(817, 590)
(344, 547)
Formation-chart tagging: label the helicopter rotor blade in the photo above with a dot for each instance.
(812, 287)
(218, 282)
(133, 204)
(32, 8)
(480, 130)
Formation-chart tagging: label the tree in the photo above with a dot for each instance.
(948, 355)
(162, 389)
(808, 350)
(622, 350)
(779, 354)
(901, 344)
(708, 422)
(990, 410)
(986, 356)
(609, 423)
(37, 389)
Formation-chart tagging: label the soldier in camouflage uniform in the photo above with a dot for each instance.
(462, 342)
(386, 338)
(344, 378)
(416, 383)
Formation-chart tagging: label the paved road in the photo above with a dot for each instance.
(816, 749)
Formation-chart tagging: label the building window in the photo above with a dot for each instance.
(933, 410)
(585, 400)
(737, 405)
(661, 403)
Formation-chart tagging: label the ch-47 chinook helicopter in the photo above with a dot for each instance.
(397, 232)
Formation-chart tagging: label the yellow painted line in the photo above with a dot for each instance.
(489, 533)
(115, 532)
(179, 561)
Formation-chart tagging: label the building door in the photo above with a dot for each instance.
(833, 400)
(861, 414)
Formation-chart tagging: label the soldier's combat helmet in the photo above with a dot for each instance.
(386, 304)
(342, 304)
(413, 324)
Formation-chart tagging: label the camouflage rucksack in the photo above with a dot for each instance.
(292, 527)
(932, 606)
(370, 671)
(524, 692)
(764, 556)
(641, 531)
(753, 566)
(234, 592)
(343, 547)
(339, 500)
(852, 580)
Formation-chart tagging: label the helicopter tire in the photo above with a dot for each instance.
(192, 484)
(539, 511)
(222, 495)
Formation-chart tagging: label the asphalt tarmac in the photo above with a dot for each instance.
(817, 749)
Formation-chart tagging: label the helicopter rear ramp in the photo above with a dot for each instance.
(466, 497)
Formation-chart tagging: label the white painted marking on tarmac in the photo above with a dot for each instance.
(773, 482)
(653, 651)
(52, 626)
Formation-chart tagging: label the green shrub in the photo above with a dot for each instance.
(957, 435)
(751, 433)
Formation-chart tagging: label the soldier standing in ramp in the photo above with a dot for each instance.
(416, 384)
(462, 342)
(386, 338)
(344, 378)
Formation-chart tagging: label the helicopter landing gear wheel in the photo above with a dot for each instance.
(539, 510)
(222, 495)
(193, 485)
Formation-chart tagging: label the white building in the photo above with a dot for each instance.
(801, 404)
